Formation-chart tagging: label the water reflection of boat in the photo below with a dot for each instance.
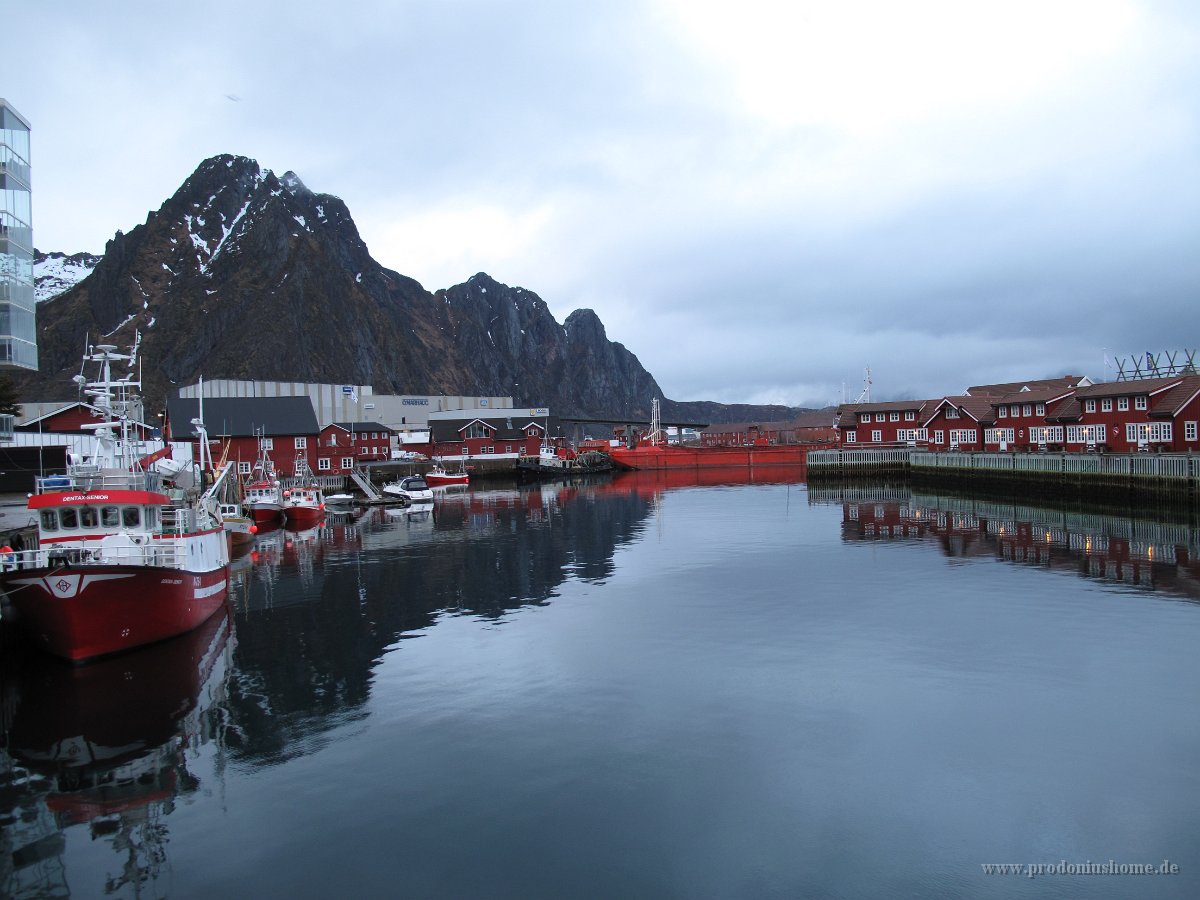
(105, 746)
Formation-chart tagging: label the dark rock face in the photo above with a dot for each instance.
(242, 274)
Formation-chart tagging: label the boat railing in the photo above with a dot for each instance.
(159, 554)
(94, 478)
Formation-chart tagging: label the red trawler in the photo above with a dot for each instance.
(262, 497)
(653, 452)
(121, 560)
(304, 504)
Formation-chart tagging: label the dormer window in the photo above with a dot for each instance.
(477, 430)
(951, 412)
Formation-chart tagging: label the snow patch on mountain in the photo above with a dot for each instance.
(55, 272)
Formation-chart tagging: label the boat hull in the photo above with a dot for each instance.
(303, 516)
(265, 513)
(80, 613)
(435, 480)
(659, 457)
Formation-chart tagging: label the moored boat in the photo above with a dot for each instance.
(562, 462)
(262, 497)
(411, 489)
(122, 560)
(303, 504)
(654, 452)
(438, 476)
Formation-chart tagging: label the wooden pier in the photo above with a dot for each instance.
(1173, 477)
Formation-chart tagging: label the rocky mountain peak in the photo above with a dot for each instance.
(243, 274)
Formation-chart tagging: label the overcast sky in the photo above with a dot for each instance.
(759, 199)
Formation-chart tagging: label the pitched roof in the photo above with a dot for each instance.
(1172, 402)
(981, 409)
(1014, 387)
(853, 409)
(360, 427)
(243, 416)
(1129, 388)
(1040, 395)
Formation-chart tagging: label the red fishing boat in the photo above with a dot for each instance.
(439, 477)
(262, 497)
(122, 559)
(303, 504)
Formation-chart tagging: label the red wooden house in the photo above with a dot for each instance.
(342, 445)
(62, 418)
(1147, 414)
(288, 426)
(958, 423)
(888, 423)
(1019, 420)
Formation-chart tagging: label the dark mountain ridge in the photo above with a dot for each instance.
(242, 274)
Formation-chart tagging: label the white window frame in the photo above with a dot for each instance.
(1106, 404)
(880, 417)
(910, 416)
(939, 437)
(347, 462)
(300, 443)
(268, 443)
(1141, 402)
(877, 437)
(964, 436)
(243, 468)
(1015, 410)
(1002, 412)
(1088, 406)
(1189, 431)
(952, 412)
(1027, 410)
(1040, 409)
(864, 418)
(323, 464)
(894, 417)
(851, 436)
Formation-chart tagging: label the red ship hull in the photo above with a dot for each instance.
(434, 480)
(263, 514)
(303, 516)
(650, 456)
(86, 612)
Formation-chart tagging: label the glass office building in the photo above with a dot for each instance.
(18, 331)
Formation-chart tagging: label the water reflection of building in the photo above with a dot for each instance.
(1155, 555)
(102, 747)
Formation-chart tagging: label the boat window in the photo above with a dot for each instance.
(88, 517)
(110, 516)
(49, 520)
(69, 518)
(129, 516)
(152, 517)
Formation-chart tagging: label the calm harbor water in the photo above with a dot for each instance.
(637, 688)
